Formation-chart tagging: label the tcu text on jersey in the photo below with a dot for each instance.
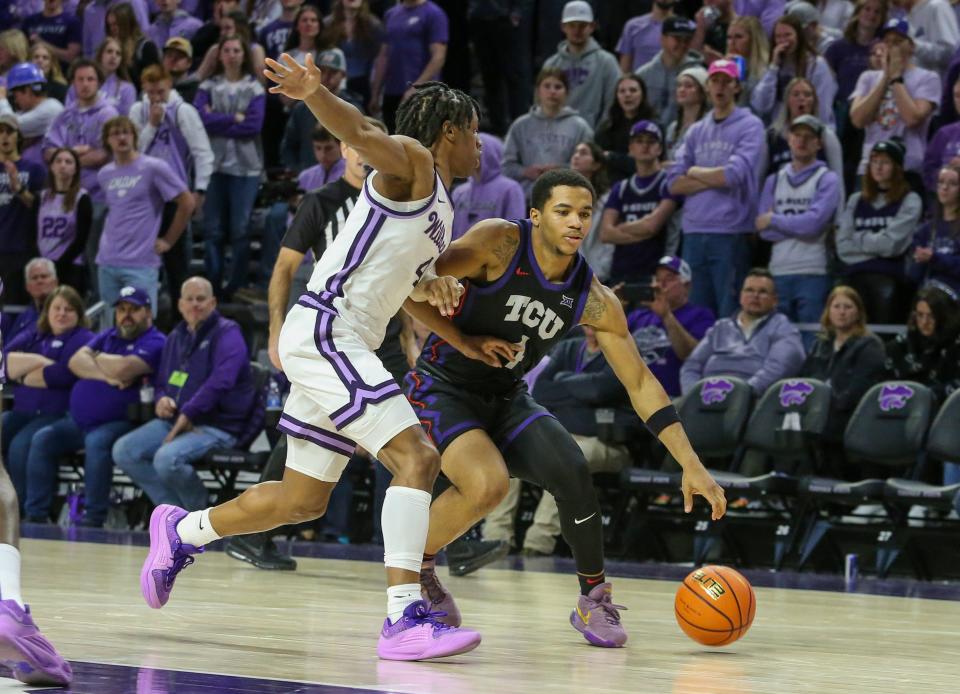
(534, 314)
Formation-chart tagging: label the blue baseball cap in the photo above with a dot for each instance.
(132, 295)
(899, 25)
(648, 127)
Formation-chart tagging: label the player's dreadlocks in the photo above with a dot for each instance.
(423, 114)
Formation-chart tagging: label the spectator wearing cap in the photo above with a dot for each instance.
(936, 244)
(937, 34)
(592, 72)
(718, 170)
(80, 127)
(668, 329)
(613, 133)
(793, 56)
(692, 105)
(41, 280)
(35, 111)
(809, 17)
(111, 369)
(674, 56)
(64, 217)
(639, 208)
(172, 21)
(896, 101)
(204, 397)
(758, 344)
(801, 100)
(177, 57)
(415, 49)
(137, 186)
(57, 27)
(172, 130)
(640, 38)
(95, 20)
(36, 361)
(274, 35)
(874, 233)
(20, 184)
(488, 193)
(797, 208)
(545, 138)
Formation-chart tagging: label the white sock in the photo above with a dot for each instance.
(196, 529)
(398, 597)
(10, 574)
(405, 520)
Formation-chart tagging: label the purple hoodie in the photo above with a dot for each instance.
(944, 147)
(55, 398)
(737, 144)
(218, 389)
(82, 127)
(181, 24)
(95, 20)
(493, 195)
(767, 11)
(773, 351)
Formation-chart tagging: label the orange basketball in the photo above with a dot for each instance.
(715, 605)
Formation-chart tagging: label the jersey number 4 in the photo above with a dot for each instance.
(422, 268)
(523, 350)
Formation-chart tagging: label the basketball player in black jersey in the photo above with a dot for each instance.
(526, 284)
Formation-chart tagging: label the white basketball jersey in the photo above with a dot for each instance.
(381, 252)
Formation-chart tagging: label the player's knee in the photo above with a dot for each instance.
(418, 467)
(573, 482)
(303, 510)
(490, 492)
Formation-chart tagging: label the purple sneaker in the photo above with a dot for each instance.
(597, 618)
(26, 651)
(438, 598)
(419, 636)
(168, 555)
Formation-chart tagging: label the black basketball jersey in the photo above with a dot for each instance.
(521, 306)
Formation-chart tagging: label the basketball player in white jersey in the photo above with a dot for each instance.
(341, 395)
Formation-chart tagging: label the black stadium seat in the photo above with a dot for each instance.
(887, 429)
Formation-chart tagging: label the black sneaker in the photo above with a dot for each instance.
(466, 556)
(260, 552)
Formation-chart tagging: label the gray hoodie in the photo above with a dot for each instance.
(536, 139)
(661, 83)
(592, 76)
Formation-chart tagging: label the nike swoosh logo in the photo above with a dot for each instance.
(594, 581)
(584, 520)
(201, 523)
(584, 617)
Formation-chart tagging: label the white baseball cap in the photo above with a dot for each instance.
(577, 11)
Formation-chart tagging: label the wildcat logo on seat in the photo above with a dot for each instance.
(794, 393)
(715, 391)
(894, 396)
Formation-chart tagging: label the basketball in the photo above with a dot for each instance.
(715, 605)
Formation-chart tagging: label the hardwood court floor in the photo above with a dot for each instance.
(319, 625)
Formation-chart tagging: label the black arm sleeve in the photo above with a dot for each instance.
(84, 219)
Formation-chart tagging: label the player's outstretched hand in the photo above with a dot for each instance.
(488, 349)
(293, 79)
(443, 293)
(696, 480)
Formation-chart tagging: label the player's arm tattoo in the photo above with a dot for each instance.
(594, 309)
(505, 247)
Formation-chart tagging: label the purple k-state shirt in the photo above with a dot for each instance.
(82, 126)
(207, 373)
(59, 30)
(135, 196)
(409, 33)
(94, 402)
(737, 144)
(55, 398)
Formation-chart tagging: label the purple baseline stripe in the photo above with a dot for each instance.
(390, 212)
(308, 301)
(320, 430)
(358, 405)
(523, 225)
(323, 337)
(358, 251)
(584, 293)
(544, 282)
(320, 439)
(509, 438)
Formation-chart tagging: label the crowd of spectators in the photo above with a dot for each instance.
(772, 178)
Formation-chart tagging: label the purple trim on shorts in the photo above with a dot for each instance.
(314, 434)
(544, 282)
(323, 337)
(389, 212)
(314, 301)
(508, 439)
(584, 294)
(360, 398)
(441, 439)
(357, 252)
(508, 273)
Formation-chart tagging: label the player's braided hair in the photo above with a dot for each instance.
(423, 114)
